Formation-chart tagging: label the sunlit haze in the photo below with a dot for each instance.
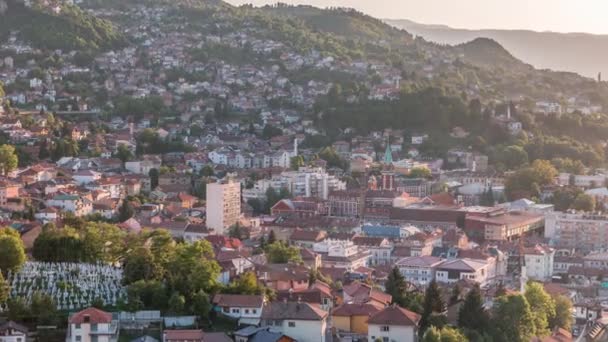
(539, 15)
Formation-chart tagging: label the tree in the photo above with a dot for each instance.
(296, 162)
(246, 284)
(177, 302)
(500, 290)
(235, 231)
(526, 182)
(271, 238)
(201, 305)
(584, 202)
(123, 153)
(271, 131)
(419, 172)
(12, 251)
(125, 211)
(396, 286)
(17, 308)
(455, 297)
(332, 158)
(140, 265)
(4, 289)
(513, 319)
(472, 315)
(513, 157)
(433, 304)
(192, 267)
(44, 308)
(445, 334)
(564, 197)
(154, 174)
(563, 313)
(541, 305)
(8, 159)
(280, 253)
(150, 294)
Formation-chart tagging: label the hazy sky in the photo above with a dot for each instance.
(540, 15)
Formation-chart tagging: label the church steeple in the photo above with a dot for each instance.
(388, 154)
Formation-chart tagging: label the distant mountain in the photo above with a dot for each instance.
(64, 27)
(586, 54)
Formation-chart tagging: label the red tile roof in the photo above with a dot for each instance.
(233, 300)
(94, 316)
(395, 315)
(183, 335)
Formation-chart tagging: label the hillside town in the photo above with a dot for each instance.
(208, 181)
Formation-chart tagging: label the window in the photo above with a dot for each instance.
(246, 311)
(384, 328)
(385, 339)
(292, 324)
(94, 327)
(254, 311)
(77, 325)
(78, 338)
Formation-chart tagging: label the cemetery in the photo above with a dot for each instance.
(71, 285)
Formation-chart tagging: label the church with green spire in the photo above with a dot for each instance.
(388, 155)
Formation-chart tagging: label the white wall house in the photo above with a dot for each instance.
(92, 325)
(301, 321)
(246, 308)
(13, 332)
(393, 324)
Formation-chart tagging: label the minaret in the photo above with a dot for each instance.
(295, 147)
(509, 110)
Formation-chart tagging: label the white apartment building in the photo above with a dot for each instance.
(306, 182)
(539, 262)
(419, 270)
(584, 232)
(342, 254)
(223, 204)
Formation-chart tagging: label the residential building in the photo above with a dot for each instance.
(380, 248)
(495, 224)
(420, 270)
(393, 324)
(539, 262)
(302, 321)
(346, 203)
(247, 309)
(13, 332)
(342, 254)
(74, 204)
(223, 205)
(583, 232)
(92, 325)
(350, 317)
(452, 271)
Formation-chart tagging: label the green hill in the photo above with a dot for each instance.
(71, 29)
(487, 52)
(343, 22)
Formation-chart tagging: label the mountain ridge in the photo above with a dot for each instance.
(583, 53)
